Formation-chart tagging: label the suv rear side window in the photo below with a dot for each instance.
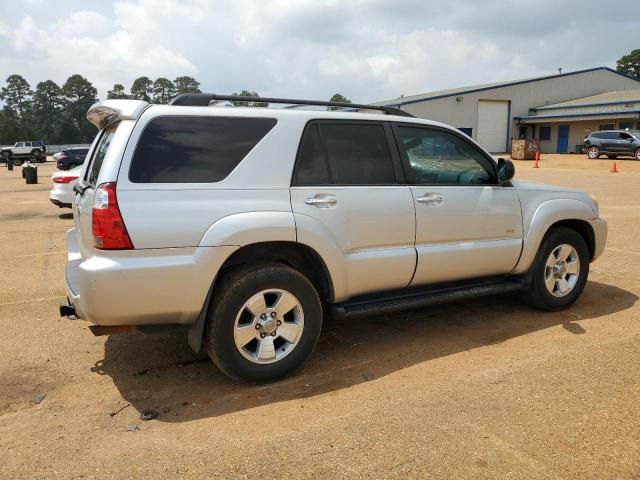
(191, 149)
(345, 154)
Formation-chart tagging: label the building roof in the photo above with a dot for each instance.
(487, 86)
(607, 98)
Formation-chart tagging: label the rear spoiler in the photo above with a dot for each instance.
(107, 112)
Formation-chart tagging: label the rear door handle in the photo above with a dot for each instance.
(321, 201)
(431, 199)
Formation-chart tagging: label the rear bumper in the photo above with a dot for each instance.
(141, 287)
(61, 194)
(600, 230)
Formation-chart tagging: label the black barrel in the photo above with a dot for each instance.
(30, 174)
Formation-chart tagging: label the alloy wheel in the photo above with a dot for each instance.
(562, 270)
(268, 326)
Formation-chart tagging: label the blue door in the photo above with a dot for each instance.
(563, 139)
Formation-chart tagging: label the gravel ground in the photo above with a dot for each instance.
(480, 389)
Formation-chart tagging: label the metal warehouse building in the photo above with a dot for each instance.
(558, 110)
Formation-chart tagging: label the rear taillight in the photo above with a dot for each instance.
(109, 231)
(65, 178)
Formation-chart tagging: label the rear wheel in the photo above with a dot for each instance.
(637, 154)
(593, 153)
(264, 322)
(559, 272)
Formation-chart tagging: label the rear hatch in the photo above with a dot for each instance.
(101, 168)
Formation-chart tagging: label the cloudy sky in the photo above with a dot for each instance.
(366, 49)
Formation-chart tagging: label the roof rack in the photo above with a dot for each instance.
(204, 99)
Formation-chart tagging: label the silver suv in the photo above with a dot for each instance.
(249, 224)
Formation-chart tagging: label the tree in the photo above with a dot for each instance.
(118, 91)
(247, 93)
(186, 85)
(17, 98)
(80, 94)
(48, 105)
(337, 97)
(163, 90)
(142, 89)
(630, 64)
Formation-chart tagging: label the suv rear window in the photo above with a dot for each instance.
(91, 176)
(194, 149)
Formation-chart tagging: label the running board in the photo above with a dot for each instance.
(424, 297)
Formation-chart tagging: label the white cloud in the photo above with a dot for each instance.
(366, 49)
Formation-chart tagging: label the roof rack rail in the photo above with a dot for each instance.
(204, 99)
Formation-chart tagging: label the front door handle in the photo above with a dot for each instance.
(321, 201)
(431, 199)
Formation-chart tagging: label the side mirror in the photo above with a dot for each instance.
(506, 170)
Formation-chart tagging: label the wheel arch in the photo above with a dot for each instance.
(570, 213)
(298, 256)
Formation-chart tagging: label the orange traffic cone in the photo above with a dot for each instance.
(536, 158)
(614, 168)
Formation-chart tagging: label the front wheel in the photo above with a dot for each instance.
(560, 270)
(264, 322)
(637, 154)
(593, 153)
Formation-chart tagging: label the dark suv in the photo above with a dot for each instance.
(613, 143)
(71, 158)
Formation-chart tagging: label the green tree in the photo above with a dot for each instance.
(630, 64)
(337, 97)
(247, 93)
(163, 90)
(142, 89)
(48, 105)
(17, 99)
(79, 94)
(117, 91)
(186, 85)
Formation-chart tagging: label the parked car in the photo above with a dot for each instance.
(21, 151)
(62, 193)
(248, 223)
(613, 144)
(70, 158)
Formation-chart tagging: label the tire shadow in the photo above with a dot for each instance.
(161, 372)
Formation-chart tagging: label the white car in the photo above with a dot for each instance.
(61, 193)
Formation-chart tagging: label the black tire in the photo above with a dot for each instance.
(231, 293)
(18, 161)
(612, 157)
(637, 154)
(593, 153)
(537, 295)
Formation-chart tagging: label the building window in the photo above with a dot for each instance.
(607, 126)
(545, 133)
(626, 125)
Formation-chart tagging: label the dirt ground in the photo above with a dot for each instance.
(480, 389)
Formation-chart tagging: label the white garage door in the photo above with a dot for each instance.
(493, 124)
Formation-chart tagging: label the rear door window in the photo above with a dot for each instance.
(194, 149)
(345, 154)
